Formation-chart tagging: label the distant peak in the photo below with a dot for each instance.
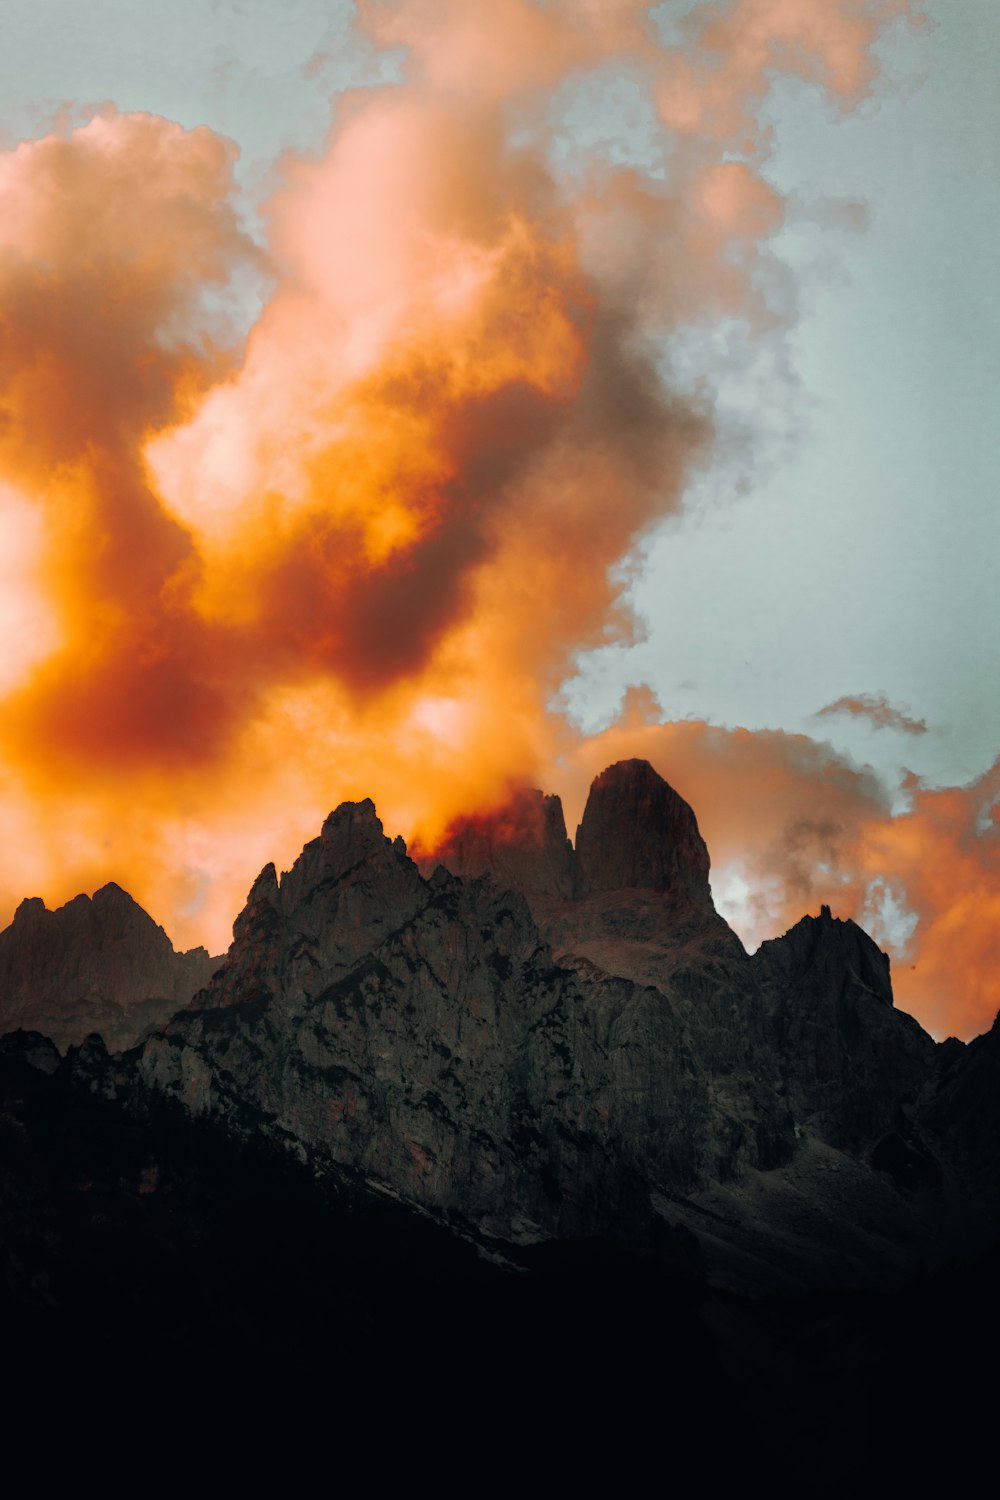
(351, 815)
(29, 909)
(625, 772)
(522, 844)
(113, 894)
(638, 833)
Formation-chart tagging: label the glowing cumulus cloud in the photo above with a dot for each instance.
(356, 553)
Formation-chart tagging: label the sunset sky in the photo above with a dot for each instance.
(419, 399)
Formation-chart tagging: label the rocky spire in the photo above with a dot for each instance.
(638, 834)
(522, 845)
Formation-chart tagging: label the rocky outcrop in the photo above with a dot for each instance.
(850, 1062)
(527, 1051)
(638, 834)
(964, 1111)
(522, 845)
(618, 1063)
(95, 964)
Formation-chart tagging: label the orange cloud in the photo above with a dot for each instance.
(876, 708)
(109, 239)
(790, 825)
(509, 47)
(712, 89)
(357, 554)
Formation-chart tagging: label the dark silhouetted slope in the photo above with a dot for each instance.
(95, 964)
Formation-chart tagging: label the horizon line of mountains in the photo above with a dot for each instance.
(534, 1042)
(101, 964)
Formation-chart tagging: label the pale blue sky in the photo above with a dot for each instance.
(864, 557)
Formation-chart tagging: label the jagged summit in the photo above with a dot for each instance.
(351, 840)
(577, 1046)
(523, 845)
(98, 963)
(29, 911)
(825, 943)
(352, 824)
(636, 834)
(347, 889)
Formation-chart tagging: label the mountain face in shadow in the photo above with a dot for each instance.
(545, 1043)
(528, 1112)
(95, 964)
(157, 1262)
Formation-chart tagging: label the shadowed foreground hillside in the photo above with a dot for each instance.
(527, 1130)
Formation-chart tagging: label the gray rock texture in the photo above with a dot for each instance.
(638, 834)
(850, 1060)
(540, 1042)
(572, 1056)
(524, 846)
(95, 964)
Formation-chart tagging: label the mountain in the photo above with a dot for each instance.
(522, 1130)
(547, 1042)
(95, 964)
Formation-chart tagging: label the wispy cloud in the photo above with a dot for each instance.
(876, 708)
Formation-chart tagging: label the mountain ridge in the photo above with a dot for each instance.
(529, 1053)
(94, 963)
(519, 1143)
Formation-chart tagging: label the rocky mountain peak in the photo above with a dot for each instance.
(851, 1059)
(111, 897)
(344, 892)
(351, 827)
(352, 849)
(638, 834)
(822, 946)
(30, 912)
(97, 963)
(523, 845)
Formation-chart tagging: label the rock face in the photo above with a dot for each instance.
(851, 1061)
(524, 846)
(572, 1057)
(546, 1044)
(637, 834)
(94, 964)
(414, 1031)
